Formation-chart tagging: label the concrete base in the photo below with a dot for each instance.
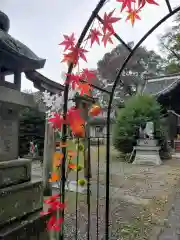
(31, 227)
(18, 200)
(14, 172)
(147, 155)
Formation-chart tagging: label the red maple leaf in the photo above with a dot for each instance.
(85, 89)
(68, 42)
(73, 79)
(133, 15)
(107, 38)
(51, 199)
(88, 74)
(54, 223)
(55, 205)
(108, 22)
(94, 36)
(57, 121)
(74, 116)
(126, 3)
(143, 2)
(81, 53)
(74, 55)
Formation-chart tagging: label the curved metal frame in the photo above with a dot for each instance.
(66, 90)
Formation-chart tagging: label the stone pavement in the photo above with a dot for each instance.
(36, 169)
(172, 223)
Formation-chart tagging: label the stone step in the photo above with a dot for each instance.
(18, 200)
(32, 227)
(14, 172)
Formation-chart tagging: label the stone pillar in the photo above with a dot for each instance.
(172, 120)
(2, 78)
(17, 80)
(47, 158)
(84, 103)
(9, 122)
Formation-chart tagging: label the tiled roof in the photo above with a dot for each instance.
(43, 83)
(162, 85)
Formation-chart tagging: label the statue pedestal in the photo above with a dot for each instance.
(147, 153)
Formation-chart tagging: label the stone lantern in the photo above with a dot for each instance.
(21, 197)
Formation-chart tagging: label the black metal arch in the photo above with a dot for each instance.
(93, 16)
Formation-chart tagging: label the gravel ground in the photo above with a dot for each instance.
(132, 190)
(171, 229)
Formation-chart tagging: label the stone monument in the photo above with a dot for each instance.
(147, 149)
(21, 198)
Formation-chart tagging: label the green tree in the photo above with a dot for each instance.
(144, 63)
(137, 109)
(170, 44)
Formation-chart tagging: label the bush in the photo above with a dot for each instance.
(138, 109)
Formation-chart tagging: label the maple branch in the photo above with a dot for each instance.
(115, 35)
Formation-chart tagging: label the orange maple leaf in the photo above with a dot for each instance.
(85, 89)
(58, 156)
(57, 163)
(71, 58)
(133, 15)
(72, 166)
(78, 129)
(74, 55)
(54, 177)
(63, 145)
(71, 154)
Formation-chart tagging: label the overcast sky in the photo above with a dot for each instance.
(40, 24)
